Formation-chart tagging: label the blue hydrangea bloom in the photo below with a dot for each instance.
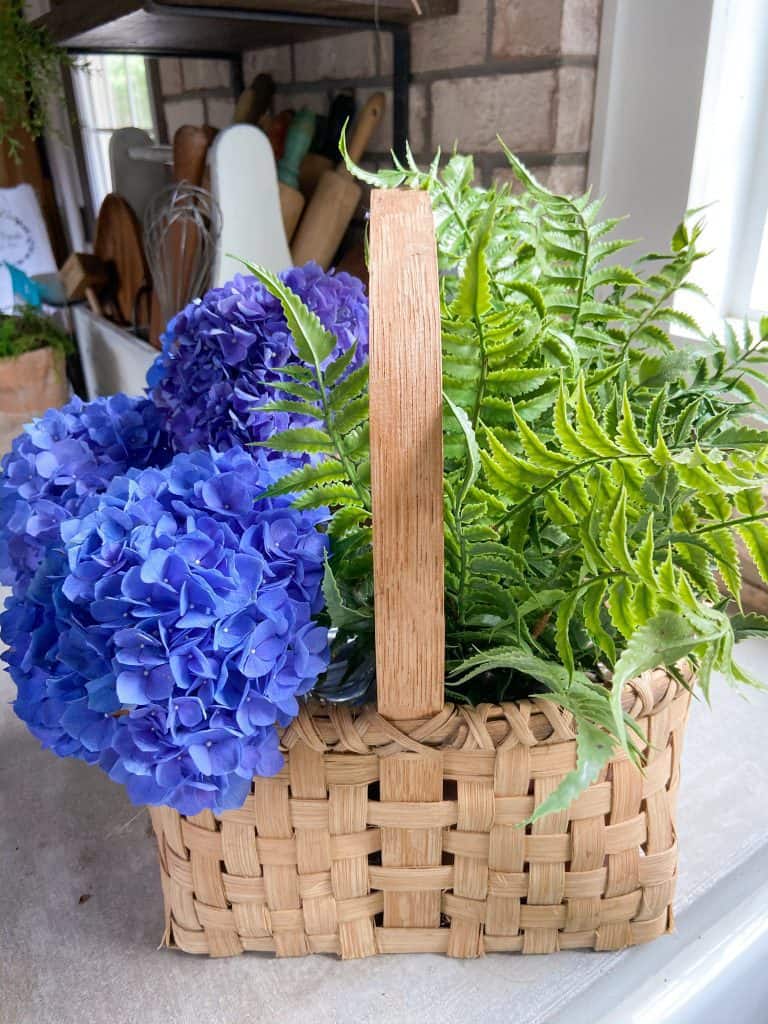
(61, 458)
(223, 354)
(173, 630)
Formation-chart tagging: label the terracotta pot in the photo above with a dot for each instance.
(33, 382)
(29, 384)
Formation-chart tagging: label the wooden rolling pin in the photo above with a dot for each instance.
(314, 165)
(190, 149)
(253, 102)
(337, 194)
(276, 129)
(297, 142)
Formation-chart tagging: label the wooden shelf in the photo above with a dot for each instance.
(224, 28)
(227, 28)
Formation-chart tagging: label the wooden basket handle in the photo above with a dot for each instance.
(406, 455)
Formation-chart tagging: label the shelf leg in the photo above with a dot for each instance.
(238, 76)
(401, 76)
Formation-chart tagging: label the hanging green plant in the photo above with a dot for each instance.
(30, 65)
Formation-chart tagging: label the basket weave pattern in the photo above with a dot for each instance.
(386, 837)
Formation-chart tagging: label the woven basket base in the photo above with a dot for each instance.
(393, 837)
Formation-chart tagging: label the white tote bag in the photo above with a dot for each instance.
(23, 235)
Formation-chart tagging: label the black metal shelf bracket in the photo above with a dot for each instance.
(401, 78)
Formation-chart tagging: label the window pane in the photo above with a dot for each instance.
(759, 300)
(118, 88)
(138, 85)
(112, 91)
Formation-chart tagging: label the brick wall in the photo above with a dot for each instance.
(196, 92)
(522, 68)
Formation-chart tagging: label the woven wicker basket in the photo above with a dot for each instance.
(397, 829)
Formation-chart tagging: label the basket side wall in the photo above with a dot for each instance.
(377, 839)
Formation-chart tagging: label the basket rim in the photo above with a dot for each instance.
(532, 720)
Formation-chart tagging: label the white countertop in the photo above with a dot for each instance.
(67, 831)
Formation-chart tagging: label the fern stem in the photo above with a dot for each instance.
(584, 267)
(335, 437)
(647, 319)
(650, 315)
(731, 524)
(348, 465)
(579, 466)
(555, 481)
(464, 555)
(468, 235)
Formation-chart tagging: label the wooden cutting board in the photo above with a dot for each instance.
(118, 244)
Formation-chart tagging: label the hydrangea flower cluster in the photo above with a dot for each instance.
(162, 620)
(223, 354)
(176, 631)
(60, 459)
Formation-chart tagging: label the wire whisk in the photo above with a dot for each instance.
(182, 225)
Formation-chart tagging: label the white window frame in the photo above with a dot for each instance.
(99, 176)
(657, 87)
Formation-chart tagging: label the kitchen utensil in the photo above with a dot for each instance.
(190, 148)
(277, 130)
(181, 230)
(297, 143)
(244, 183)
(83, 276)
(254, 101)
(118, 244)
(135, 180)
(327, 156)
(330, 210)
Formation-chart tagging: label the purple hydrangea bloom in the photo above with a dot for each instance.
(59, 459)
(224, 353)
(173, 630)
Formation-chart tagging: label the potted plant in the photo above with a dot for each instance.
(33, 352)
(215, 562)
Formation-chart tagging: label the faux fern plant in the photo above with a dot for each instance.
(596, 476)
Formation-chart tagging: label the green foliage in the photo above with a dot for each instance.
(338, 399)
(596, 475)
(30, 63)
(28, 330)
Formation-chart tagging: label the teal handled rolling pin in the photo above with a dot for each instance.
(297, 142)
